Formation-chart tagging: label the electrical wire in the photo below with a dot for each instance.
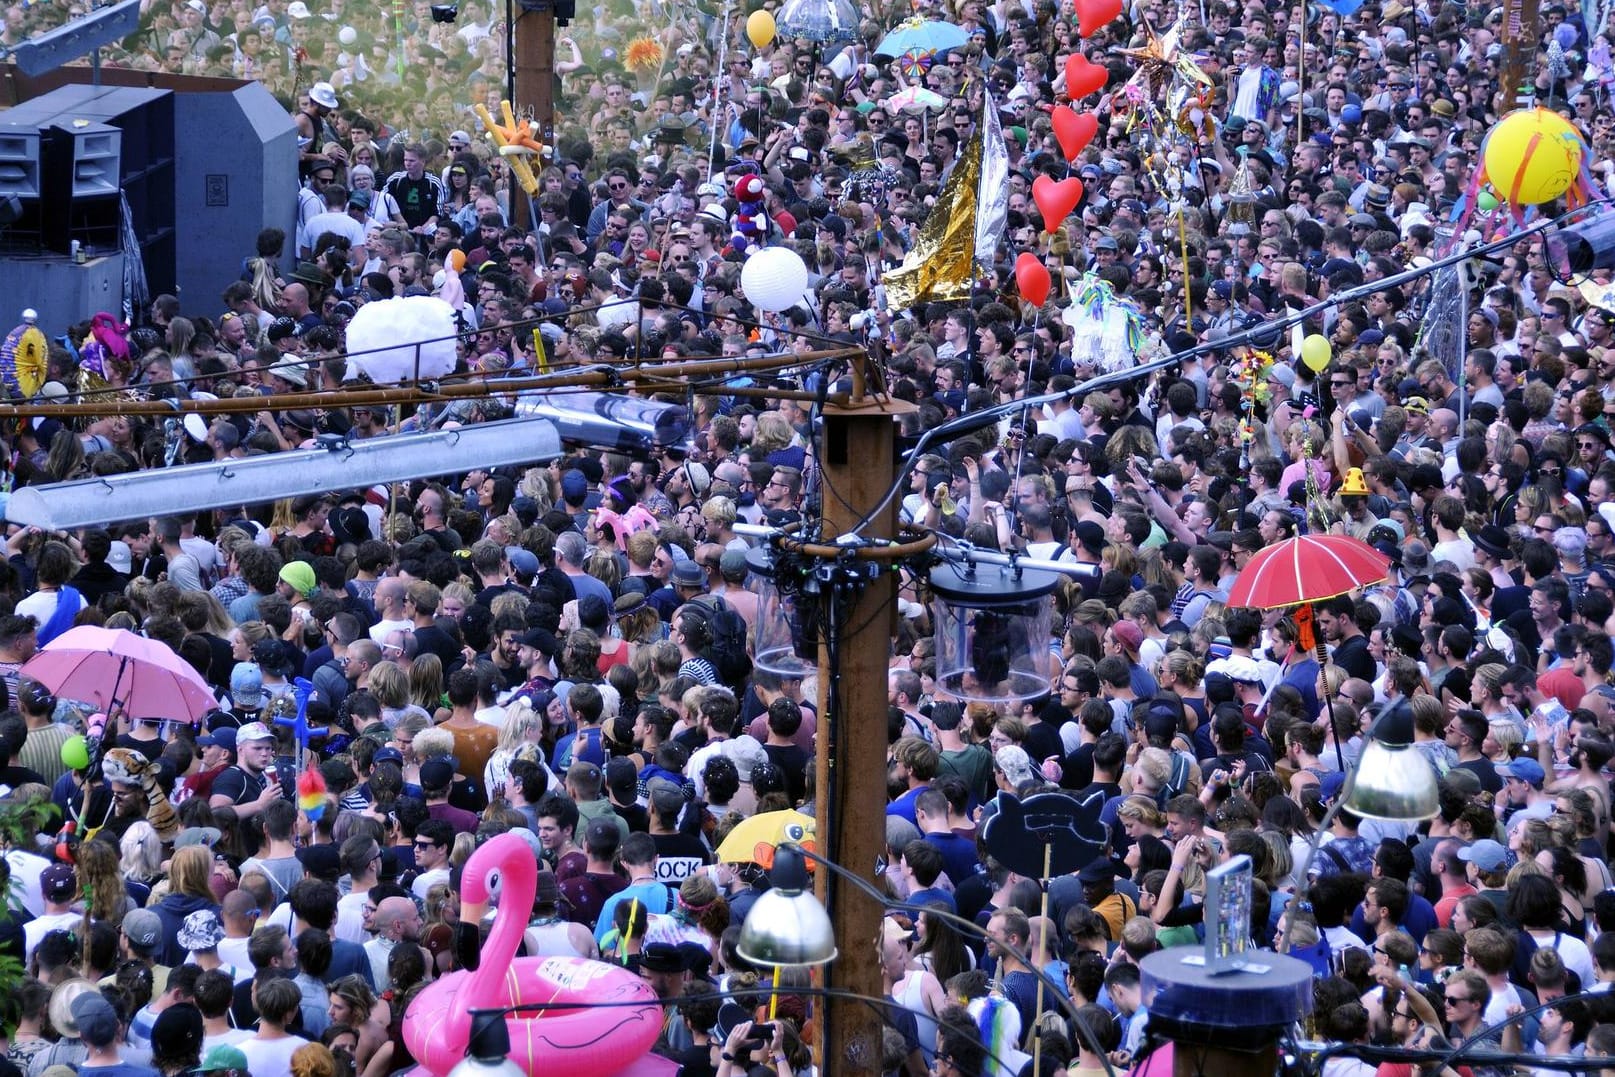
(1473, 1047)
(977, 931)
(880, 1007)
(976, 420)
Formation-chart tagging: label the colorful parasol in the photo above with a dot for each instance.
(22, 357)
(1309, 568)
(922, 37)
(915, 100)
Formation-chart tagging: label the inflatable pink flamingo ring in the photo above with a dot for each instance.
(578, 1042)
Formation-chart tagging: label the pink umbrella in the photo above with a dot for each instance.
(113, 667)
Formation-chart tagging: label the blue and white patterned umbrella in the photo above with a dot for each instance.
(823, 22)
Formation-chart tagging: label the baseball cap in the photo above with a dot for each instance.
(97, 1021)
(621, 777)
(522, 560)
(247, 687)
(732, 565)
(1128, 635)
(254, 731)
(321, 861)
(388, 754)
(120, 558)
(541, 640)
(1485, 854)
(178, 1032)
(223, 737)
(1525, 769)
(197, 835)
(143, 928)
(59, 883)
(437, 774)
(222, 1057)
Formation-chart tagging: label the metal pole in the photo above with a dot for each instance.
(1463, 346)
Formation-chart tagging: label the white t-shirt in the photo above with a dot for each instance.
(270, 1058)
(234, 952)
(341, 223)
(350, 918)
(379, 631)
(36, 929)
(41, 606)
(428, 879)
(26, 869)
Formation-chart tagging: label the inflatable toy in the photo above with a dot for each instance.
(578, 1042)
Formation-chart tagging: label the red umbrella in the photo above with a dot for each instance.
(106, 666)
(1309, 568)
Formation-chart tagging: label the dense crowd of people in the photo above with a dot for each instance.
(560, 651)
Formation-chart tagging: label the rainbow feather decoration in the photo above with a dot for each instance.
(311, 793)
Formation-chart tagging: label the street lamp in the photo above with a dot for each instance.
(789, 927)
(1393, 780)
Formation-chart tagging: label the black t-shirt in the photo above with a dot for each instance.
(793, 763)
(417, 198)
(1353, 657)
(433, 640)
(1076, 770)
(1042, 740)
(1485, 771)
(678, 856)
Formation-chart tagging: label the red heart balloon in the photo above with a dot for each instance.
(1073, 130)
(1092, 14)
(1032, 278)
(1056, 199)
(1083, 78)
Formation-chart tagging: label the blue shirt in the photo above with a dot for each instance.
(904, 805)
(652, 897)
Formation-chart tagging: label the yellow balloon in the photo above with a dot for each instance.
(760, 28)
(1532, 156)
(1316, 352)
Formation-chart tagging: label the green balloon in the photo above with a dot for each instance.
(1487, 201)
(75, 753)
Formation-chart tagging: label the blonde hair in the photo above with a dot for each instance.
(389, 685)
(1141, 810)
(434, 742)
(1155, 764)
(140, 852)
(1505, 734)
(191, 871)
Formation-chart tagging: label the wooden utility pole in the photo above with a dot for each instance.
(856, 464)
(534, 82)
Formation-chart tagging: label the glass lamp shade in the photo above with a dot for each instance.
(1393, 782)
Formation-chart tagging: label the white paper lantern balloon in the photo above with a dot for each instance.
(774, 278)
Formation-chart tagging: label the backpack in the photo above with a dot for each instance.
(1177, 780)
(727, 630)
